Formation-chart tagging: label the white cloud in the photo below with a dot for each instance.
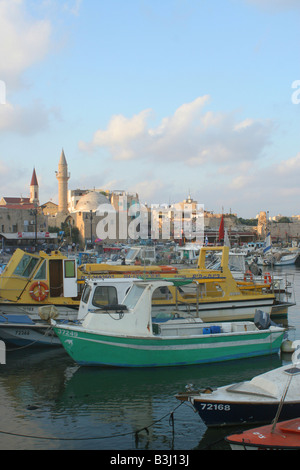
(25, 120)
(120, 135)
(26, 40)
(190, 135)
(262, 186)
(289, 167)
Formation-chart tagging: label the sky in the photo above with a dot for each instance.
(164, 98)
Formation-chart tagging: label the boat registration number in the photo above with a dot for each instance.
(72, 334)
(21, 332)
(215, 407)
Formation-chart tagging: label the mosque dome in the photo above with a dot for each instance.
(91, 202)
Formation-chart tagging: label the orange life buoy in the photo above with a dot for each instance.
(267, 278)
(39, 291)
(248, 275)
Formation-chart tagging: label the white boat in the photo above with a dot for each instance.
(278, 259)
(250, 402)
(140, 254)
(273, 257)
(189, 253)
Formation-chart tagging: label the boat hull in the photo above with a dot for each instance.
(224, 413)
(88, 348)
(21, 335)
(284, 436)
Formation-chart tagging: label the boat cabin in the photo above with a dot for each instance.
(134, 316)
(105, 293)
(33, 278)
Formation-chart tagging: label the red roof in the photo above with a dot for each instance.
(19, 206)
(17, 203)
(16, 200)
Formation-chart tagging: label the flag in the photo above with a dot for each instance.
(267, 243)
(221, 229)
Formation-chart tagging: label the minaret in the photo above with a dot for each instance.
(62, 176)
(34, 189)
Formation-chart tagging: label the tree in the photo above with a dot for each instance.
(251, 222)
(284, 220)
(72, 232)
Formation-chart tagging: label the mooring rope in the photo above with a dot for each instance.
(135, 433)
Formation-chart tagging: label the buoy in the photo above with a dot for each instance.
(287, 346)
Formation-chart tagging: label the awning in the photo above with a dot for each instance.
(29, 236)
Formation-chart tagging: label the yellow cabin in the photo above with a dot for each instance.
(39, 278)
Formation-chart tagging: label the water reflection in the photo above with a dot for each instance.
(47, 395)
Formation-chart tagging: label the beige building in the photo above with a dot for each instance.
(49, 208)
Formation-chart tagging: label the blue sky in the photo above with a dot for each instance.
(163, 98)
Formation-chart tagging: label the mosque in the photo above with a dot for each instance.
(79, 208)
(25, 223)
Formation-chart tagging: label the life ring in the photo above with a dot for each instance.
(39, 291)
(248, 275)
(267, 278)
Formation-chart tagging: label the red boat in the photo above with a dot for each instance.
(284, 435)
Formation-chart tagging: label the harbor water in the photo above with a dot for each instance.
(50, 403)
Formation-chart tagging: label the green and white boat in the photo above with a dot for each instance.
(127, 336)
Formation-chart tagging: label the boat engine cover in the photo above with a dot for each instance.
(262, 320)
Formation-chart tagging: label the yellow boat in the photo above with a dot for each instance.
(31, 281)
(219, 296)
(32, 284)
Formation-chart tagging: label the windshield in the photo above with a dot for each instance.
(105, 295)
(133, 296)
(26, 266)
(131, 253)
(41, 274)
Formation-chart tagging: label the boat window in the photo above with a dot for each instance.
(105, 295)
(69, 268)
(26, 266)
(162, 293)
(133, 296)
(131, 254)
(41, 274)
(86, 293)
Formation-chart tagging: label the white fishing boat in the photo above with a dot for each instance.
(278, 259)
(189, 253)
(251, 402)
(275, 257)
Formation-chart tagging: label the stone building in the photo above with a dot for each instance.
(22, 222)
